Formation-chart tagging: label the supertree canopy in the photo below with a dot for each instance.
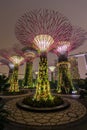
(62, 50)
(42, 24)
(29, 55)
(42, 28)
(16, 60)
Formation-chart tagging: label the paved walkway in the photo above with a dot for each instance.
(15, 96)
(22, 119)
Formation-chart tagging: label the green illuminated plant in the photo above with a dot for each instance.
(43, 86)
(28, 75)
(43, 103)
(65, 84)
(14, 80)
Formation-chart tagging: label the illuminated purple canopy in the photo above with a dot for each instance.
(11, 56)
(29, 53)
(43, 23)
(77, 38)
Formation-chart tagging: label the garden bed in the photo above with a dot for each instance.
(42, 106)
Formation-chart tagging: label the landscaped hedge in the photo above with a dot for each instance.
(80, 83)
(7, 93)
(43, 103)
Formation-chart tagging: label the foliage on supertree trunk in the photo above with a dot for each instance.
(43, 86)
(65, 84)
(28, 75)
(14, 80)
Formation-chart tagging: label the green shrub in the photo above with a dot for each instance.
(43, 103)
(15, 93)
(53, 85)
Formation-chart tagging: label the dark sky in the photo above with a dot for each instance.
(11, 10)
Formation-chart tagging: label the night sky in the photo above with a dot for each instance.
(11, 10)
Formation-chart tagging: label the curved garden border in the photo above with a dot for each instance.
(63, 106)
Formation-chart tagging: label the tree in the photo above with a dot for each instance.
(4, 85)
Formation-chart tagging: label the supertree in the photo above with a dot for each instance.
(62, 50)
(42, 28)
(29, 54)
(16, 60)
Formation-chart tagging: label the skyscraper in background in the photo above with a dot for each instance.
(85, 60)
(56, 70)
(74, 67)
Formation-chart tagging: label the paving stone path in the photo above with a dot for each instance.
(71, 114)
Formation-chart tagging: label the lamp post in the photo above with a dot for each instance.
(36, 73)
(52, 68)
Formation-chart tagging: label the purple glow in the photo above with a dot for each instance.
(63, 47)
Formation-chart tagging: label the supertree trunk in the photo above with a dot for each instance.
(14, 80)
(43, 87)
(65, 84)
(10, 72)
(28, 75)
(52, 79)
